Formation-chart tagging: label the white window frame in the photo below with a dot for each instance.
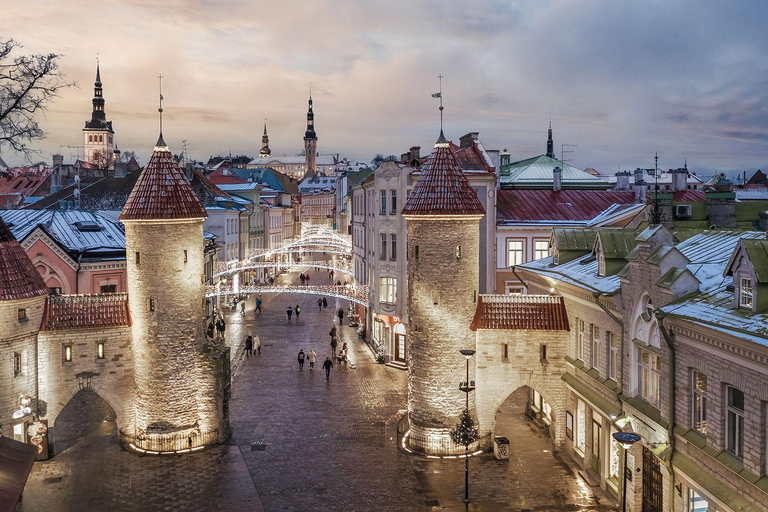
(580, 339)
(613, 355)
(601, 264)
(696, 502)
(734, 446)
(595, 355)
(388, 290)
(699, 402)
(513, 253)
(538, 252)
(746, 292)
(649, 377)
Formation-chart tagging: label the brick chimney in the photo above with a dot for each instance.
(622, 180)
(639, 175)
(641, 189)
(721, 205)
(679, 179)
(468, 139)
(415, 154)
(557, 178)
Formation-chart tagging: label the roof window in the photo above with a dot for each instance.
(87, 226)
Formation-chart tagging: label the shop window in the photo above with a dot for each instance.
(613, 470)
(699, 421)
(734, 427)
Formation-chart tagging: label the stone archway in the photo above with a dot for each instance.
(525, 411)
(85, 414)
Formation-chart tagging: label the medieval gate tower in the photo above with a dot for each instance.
(180, 377)
(443, 214)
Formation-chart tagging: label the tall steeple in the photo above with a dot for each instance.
(98, 98)
(550, 143)
(310, 140)
(265, 151)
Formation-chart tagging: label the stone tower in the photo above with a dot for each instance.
(265, 151)
(22, 301)
(180, 377)
(310, 141)
(443, 214)
(98, 134)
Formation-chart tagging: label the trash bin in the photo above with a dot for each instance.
(501, 448)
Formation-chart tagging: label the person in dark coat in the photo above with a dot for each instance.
(298, 311)
(301, 276)
(301, 360)
(209, 332)
(340, 314)
(327, 365)
(249, 346)
(320, 304)
(325, 303)
(289, 312)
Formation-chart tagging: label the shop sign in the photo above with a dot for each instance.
(23, 411)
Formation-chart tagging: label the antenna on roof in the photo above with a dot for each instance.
(439, 94)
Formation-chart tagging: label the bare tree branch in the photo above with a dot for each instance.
(28, 83)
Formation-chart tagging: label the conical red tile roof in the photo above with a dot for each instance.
(162, 191)
(18, 277)
(442, 188)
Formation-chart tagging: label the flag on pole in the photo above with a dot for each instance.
(161, 97)
(437, 95)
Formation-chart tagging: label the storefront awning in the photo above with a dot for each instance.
(16, 460)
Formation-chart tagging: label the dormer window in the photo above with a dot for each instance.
(746, 293)
(601, 264)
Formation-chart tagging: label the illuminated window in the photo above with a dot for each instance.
(581, 427)
(515, 252)
(615, 454)
(388, 290)
(67, 353)
(746, 292)
(540, 249)
(699, 408)
(648, 376)
(100, 350)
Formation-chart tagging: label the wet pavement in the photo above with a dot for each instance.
(301, 444)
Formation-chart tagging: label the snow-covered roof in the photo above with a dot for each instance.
(580, 272)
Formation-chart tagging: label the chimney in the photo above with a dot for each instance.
(679, 179)
(557, 178)
(189, 170)
(405, 158)
(58, 160)
(640, 190)
(639, 175)
(415, 155)
(468, 139)
(721, 205)
(763, 220)
(622, 180)
(121, 169)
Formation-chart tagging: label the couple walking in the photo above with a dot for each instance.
(249, 346)
(311, 356)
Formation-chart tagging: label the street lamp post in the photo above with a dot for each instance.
(466, 388)
(626, 440)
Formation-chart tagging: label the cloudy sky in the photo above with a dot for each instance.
(622, 80)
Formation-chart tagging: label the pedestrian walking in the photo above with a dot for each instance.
(249, 346)
(320, 304)
(334, 344)
(312, 356)
(242, 307)
(340, 314)
(325, 303)
(289, 312)
(301, 276)
(298, 311)
(301, 360)
(327, 365)
(209, 332)
(258, 304)
(258, 345)
(332, 273)
(306, 276)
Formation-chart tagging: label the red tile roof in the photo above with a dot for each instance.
(24, 184)
(218, 177)
(86, 311)
(688, 196)
(442, 188)
(19, 279)
(557, 205)
(522, 312)
(162, 191)
(470, 158)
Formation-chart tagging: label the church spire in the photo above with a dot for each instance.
(310, 140)
(550, 143)
(98, 97)
(265, 151)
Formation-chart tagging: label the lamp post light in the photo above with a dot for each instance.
(626, 440)
(466, 388)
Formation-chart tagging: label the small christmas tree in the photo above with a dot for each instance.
(465, 432)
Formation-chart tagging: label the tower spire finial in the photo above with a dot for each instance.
(550, 142)
(439, 95)
(98, 71)
(160, 141)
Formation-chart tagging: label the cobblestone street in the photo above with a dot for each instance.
(301, 444)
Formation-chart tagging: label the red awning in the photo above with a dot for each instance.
(16, 460)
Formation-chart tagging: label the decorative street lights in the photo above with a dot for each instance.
(466, 388)
(626, 440)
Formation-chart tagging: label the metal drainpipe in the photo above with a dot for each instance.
(77, 274)
(512, 268)
(670, 338)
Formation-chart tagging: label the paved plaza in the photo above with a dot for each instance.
(301, 444)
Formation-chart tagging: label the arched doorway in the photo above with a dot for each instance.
(85, 415)
(525, 411)
(400, 343)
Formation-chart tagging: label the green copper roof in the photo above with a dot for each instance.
(757, 250)
(536, 172)
(617, 243)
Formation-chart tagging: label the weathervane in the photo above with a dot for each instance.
(657, 216)
(439, 94)
(160, 110)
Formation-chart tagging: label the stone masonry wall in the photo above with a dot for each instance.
(17, 337)
(442, 291)
(176, 373)
(110, 377)
(497, 377)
